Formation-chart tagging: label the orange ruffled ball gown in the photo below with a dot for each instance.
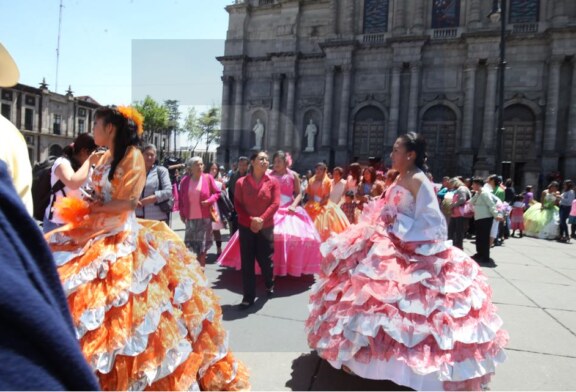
(142, 308)
(328, 218)
(395, 301)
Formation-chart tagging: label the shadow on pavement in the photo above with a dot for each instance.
(233, 312)
(311, 373)
(284, 286)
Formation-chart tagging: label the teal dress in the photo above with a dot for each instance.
(542, 220)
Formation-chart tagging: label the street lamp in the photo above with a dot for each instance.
(499, 14)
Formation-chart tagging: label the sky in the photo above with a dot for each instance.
(119, 51)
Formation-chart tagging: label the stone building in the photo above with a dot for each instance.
(364, 71)
(48, 121)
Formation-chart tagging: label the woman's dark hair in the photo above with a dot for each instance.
(280, 154)
(554, 184)
(82, 142)
(508, 183)
(126, 134)
(518, 198)
(372, 172)
(495, 178)
(568, 184)
(355, 170)
(339, 170)
(322, 165)
(416, 142)
(478, 180)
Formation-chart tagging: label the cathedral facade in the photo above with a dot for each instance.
(339, 80)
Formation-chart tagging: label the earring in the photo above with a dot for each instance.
(408, 158)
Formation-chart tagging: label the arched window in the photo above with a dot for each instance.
(524, 11)
(445, 14)
(376, 16)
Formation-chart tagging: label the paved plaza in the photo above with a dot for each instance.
(534, 286)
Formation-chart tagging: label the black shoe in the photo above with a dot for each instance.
(245, 304)
(270, 292)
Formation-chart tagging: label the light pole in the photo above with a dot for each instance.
(499, 14)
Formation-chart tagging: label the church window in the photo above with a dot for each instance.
(445, 14)
(376, 16)
(524, 11)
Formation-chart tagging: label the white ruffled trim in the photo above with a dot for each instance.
(431, 378)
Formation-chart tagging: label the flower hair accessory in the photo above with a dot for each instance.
(132, 114)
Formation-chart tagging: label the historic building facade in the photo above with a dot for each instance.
(48, 121)
(338, 80)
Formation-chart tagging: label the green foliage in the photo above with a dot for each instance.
(156, 117)
(205, 125)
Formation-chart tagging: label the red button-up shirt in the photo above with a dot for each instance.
(257, 200)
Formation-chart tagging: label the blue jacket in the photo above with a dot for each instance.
(38, 346)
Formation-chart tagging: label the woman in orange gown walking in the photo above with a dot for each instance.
(142, 308)
(327, 216)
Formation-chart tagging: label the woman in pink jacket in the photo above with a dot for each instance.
(198, 192)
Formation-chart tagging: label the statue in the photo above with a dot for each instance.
(258, 134)
(310, 134)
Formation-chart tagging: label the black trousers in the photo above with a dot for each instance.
(564, 214)
(260, 247)
(482, 227)
(456, 231)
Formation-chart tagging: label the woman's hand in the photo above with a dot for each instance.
(95, 156)
(204, 203)
(256, 224)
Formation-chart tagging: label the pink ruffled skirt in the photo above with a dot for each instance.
(387, 312)
(296, 245)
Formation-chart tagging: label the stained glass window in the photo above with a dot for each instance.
(524, 11)
(445, 14)
(376, 16)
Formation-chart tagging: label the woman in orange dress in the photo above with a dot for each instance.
(327, 216)
(141, 306)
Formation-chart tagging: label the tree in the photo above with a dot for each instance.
(173, 119)
(206, 125)
(156, 118)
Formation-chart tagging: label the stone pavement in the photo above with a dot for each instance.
(534, 284)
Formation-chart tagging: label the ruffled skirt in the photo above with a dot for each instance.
(296, 246)
(143, 310)
(387, 312)
(328, 218)
(542, 223)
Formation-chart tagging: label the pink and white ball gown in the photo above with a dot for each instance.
(296, 241)
(395, 301)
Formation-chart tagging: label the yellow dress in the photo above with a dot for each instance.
(328, 217)
(141, 305)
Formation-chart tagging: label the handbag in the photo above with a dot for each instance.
(467, 210)
(214, 215)
(167, 205)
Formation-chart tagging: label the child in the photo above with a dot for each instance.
(349, 206)
(517, 215)
(528, 197)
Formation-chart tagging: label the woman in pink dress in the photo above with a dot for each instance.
(395, 301)
(296, 241)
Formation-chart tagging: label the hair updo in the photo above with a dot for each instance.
(416, 142)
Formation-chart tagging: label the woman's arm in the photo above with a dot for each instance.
(71, 179)
(297, 193)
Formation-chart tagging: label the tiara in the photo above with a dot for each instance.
(131, 113)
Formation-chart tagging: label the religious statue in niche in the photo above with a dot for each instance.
(310, 134)
(258, 134)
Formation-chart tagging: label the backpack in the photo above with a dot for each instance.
(41, 189)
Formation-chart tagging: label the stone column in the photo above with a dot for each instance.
(289, 121)
(273, 128)
(571, 136)
(345, 105)
(394, 105)
(399, 17)
(559, 13)
(474, 21)
(418, 25)
(413, 98)
(489, 127)
(551, 123)
(469, 93)
(328, 103)
(238, 110)
(225, 126)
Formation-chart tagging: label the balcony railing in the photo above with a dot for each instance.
(448, 33)
(374, 39)
(525, 28)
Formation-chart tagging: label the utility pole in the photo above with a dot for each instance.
(58, 45)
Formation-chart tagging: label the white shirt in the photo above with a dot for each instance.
(337, 192)
(69, 192)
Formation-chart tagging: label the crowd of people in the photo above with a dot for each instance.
(118, 301)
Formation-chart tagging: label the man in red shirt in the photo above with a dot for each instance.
(256, 200)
